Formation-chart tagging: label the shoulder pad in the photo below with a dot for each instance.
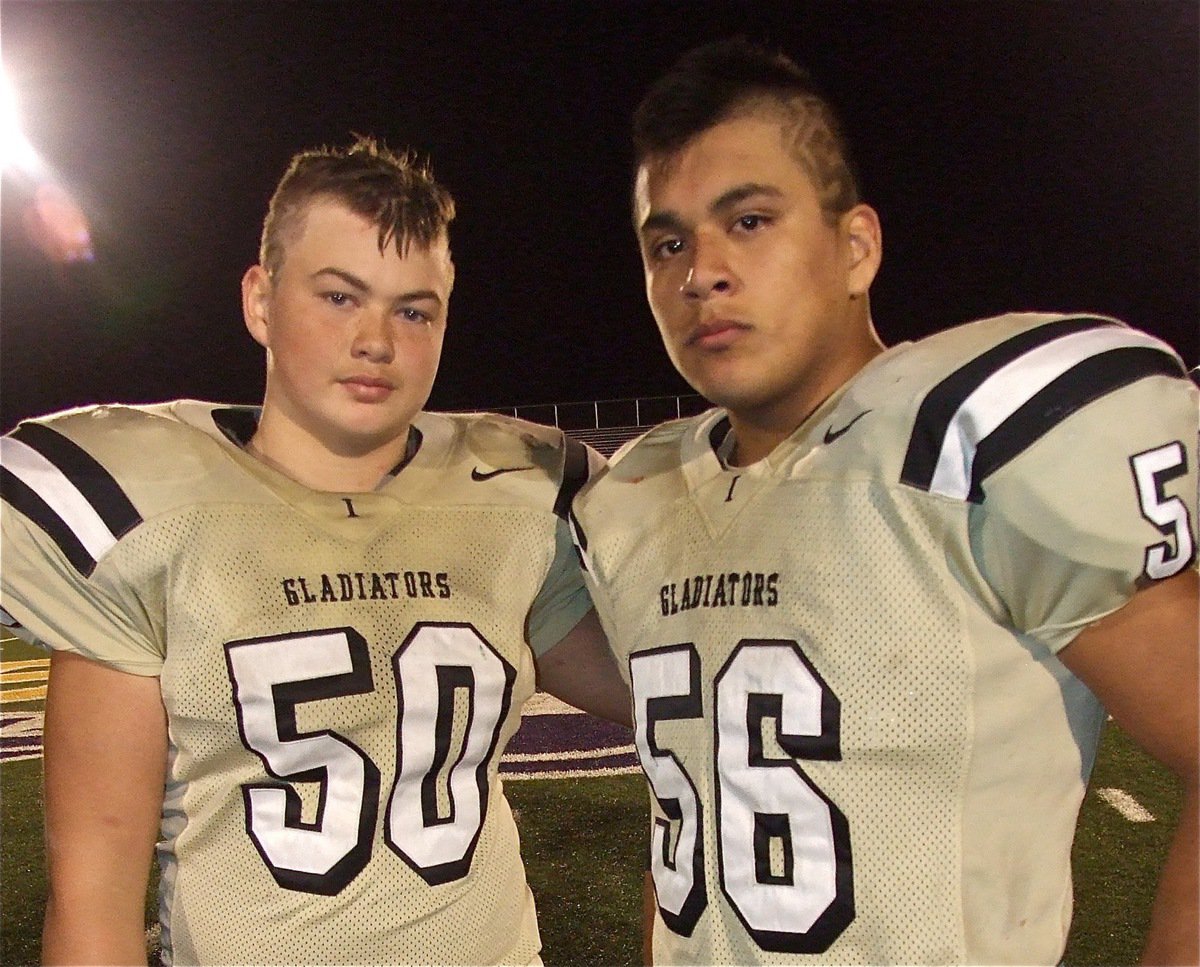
(89, 476)
(989, 390)
(493, 442)
(658, 449)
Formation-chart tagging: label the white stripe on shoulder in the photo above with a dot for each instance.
(45, 479)
(1008, 389)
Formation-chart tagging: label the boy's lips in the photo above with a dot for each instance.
(368, 389)
(716, 334)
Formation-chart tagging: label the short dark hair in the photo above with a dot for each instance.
(395, 191)
(731, 78)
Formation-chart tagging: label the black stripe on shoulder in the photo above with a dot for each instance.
(24, 499)
(579, 535)
(943, 402)
(575, 474)
(579, 541)
(96, 484)
(1084, 382)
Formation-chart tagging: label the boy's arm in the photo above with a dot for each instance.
(1141, 662)
(105, 763)
(582, 671)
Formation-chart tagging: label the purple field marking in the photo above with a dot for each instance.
(573, 744)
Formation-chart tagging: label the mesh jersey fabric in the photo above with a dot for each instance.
(341, 671)
(861, 745)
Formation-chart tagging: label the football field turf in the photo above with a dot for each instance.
(583, 838)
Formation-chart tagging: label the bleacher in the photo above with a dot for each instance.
(606, 424)
(607, 439)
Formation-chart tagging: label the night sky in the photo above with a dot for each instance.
(1029, 155)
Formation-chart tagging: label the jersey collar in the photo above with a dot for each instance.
(239, 424)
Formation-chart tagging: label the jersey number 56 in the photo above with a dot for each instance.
(783, 846)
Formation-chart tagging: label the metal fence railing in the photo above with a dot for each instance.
(606, 424)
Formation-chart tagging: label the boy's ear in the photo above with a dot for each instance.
(256, 297)
(865, 237)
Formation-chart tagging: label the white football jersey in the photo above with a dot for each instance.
(341, 672)
(861, 746)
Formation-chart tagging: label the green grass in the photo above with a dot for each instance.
(584, 843)
(22, 868)
(582, 840)
(1115, 862)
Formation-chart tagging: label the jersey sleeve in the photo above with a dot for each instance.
(1100, 504)
(60, 518)
(563, 599)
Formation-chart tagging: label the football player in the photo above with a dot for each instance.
(874, 605)
(292, 642)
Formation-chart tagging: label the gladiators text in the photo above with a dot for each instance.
(366, 586)
(725, 590)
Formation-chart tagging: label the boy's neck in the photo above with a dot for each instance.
(306, 460)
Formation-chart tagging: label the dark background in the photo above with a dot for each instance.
(1030, 155)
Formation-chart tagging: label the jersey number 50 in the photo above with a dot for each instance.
(783, 846)
(436, 807)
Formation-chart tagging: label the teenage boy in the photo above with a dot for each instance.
(292, 643)
(873, 606)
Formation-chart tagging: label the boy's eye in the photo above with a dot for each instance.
(750, 222)
(338, 298)
(414, 315)
(669, 247)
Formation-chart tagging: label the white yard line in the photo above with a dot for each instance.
(567, 754)
(1126, 805)
(543, 703)
(565, 774)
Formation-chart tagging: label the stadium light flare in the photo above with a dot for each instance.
(57, 225)
(54, 221)
(16, 153)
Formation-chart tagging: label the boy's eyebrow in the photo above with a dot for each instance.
(354, 282)
(669, 220)
(661, 221)
(738, 194)
(349, 278)
(419, 294)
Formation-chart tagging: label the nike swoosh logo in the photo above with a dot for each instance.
(477, 474)
(831, 434)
